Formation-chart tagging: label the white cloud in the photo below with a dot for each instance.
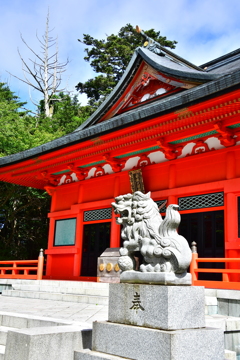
(204, 29)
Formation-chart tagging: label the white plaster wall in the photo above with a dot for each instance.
(213, 142)
(187, 150)
(157, 157)
(74, 177)
(108, 169)
(91, 172)
(130, 163)
(62, 180)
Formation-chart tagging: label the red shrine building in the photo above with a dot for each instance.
(170, 127)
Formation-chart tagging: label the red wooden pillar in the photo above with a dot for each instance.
(115, 228)
(50, 245)
(230, 217)
(172, 199)
(115, 233)
(78, 245)
(52, 192)
(172, 176)
(79, 236)
(231, 225)
(230, 165)
(80, 194)
(231, 205)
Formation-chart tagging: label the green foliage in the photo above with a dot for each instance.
(68, 114)
(110, 58)
(11, 121)
(25, 209)
(20, 131)
(25, 230)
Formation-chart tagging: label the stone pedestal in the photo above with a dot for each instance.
(158, 278)
(158, 307)
(154, 322)
(150, 344)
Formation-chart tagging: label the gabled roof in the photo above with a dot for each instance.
(224, 64)
(171, 67)
(207, 84)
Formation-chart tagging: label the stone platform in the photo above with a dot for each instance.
(142, 343)
(157, 278)
(159, 307)
(154, 322)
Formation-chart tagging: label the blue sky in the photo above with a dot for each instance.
(204, 30)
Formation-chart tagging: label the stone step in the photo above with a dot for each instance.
(95, 355)
(227, 323)
(2, 352)
(14, 321)
(87, 299)
(3, 334)
(230, 355)
(67, 283)
(53, 342)
(211, 305)
(64, 289)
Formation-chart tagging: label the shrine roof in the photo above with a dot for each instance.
(226, 68)
(168, 65)
(219, 77)
(225, 63)
(173, 66)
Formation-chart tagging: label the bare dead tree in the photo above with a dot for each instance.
(44, 74)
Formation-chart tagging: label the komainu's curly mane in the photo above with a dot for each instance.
(144, 230)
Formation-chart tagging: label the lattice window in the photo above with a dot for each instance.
(201, 201)
(99, 214)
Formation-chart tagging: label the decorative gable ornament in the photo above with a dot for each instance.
(147, 84)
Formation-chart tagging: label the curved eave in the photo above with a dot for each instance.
(172, 68)
(116, 92)
(160, 63)
(222, 60)
(148, 111)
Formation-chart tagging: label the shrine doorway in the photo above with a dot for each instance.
(96, 238)
(207, 230)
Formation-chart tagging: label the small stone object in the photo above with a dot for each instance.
(143, 230)
(108, 269)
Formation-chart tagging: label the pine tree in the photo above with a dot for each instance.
(110, 58)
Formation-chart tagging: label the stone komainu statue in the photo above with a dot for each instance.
(144, 230)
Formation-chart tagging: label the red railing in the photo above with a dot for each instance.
(22, 269)
(226, 282)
